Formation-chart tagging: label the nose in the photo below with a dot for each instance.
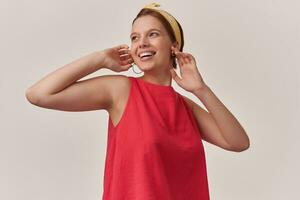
(143, 42)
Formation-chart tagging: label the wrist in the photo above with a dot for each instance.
(99, 59)
(201, 91)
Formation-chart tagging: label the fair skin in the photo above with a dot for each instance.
(63, 89)
(149, 34)
(217, 126)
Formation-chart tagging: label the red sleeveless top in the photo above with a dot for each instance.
(155, 152)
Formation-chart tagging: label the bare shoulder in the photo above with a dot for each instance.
(188, 101)
(118, 84)
(119, 87)
(194, 106)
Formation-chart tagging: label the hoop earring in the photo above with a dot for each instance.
(134, 71)
(173, 54)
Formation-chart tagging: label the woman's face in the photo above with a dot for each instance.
(148, 36)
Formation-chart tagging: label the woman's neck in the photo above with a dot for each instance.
(161, 78)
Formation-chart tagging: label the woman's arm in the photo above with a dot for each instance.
(59, 90)
(66, 75)
(218, 125)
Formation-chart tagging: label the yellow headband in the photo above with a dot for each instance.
(169, 18)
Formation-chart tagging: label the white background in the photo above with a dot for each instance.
(246, 51)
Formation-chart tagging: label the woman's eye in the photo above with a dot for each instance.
(151, 34)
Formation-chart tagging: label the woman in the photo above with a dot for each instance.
(154, 148)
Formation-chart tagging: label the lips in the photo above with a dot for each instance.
(146, 54)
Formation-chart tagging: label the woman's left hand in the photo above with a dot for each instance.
(191, 79)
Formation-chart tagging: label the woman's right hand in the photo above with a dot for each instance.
(117, 58)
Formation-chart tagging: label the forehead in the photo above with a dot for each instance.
(145, 23)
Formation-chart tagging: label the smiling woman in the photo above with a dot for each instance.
(155, 134)
(152, 41)
(166, 24)
(156, 151)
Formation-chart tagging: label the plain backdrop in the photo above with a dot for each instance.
(246, 51)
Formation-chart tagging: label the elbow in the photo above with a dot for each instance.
(28, 95)
(31, 96)
(240, 145)
(243, 146)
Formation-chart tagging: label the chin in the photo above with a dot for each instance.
(145, 66)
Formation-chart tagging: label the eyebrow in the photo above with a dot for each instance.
(152, 29)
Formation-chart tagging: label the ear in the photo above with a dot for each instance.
(175, 44)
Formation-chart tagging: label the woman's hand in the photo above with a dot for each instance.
(191, 79)
(117, 58)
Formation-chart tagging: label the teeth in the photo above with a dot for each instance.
(148, 53)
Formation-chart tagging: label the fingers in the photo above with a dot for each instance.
(191, 59)
(126, 63)
(126, 59)
(123, 51)
(125, 55)
(122, 46)
(183, 58)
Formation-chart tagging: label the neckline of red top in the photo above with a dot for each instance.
(166, 87)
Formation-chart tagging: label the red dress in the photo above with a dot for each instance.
(155, 152)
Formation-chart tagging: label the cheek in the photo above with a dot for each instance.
(132, 52)
(165, 48)
(165, 52)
